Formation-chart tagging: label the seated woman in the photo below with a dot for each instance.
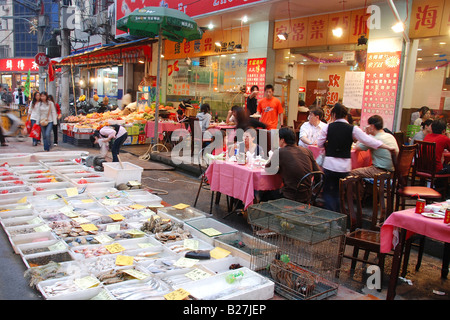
(426, 129)
(204, 116)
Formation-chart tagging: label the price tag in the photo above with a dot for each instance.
(181, 206)
(116, 217)
(136, 274)
(179, 294)
(137, 206)
(113, 227)
(87, 200)
(81, 220)
(35, 221)
(109, 202)
(22, 207)
(185, 262)
(72, 192)
(135, 233)
(190, 244)
(146, 213)
(197, 274)
(219, 253)
(103, 238)
(57, 246)
(23, 200)
(89, 227)
(87, 282)
(134, 183)
(145, 245)
(53, 197)
(114, 248)
(211, 232)
(124, 260)
(43, 228)
(103, 295)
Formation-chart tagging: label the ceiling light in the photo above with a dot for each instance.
(436, 54)
(331, 54)
(218, 43)
(337, 32)
(419, 49)
(210, 26)
(442, 43)
(282, 36)
(419, 59)
(398, 27)
(244, 19)
(141, 61)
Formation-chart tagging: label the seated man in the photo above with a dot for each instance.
(309, 131)
(294, 162)
(381, 158)
(438, 135)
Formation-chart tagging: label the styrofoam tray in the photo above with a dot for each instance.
(46, 257)
(18, 213)
(31, 238)
(20, 221)
(44, 245)
(179, 248)
(252, 286)
(79, 294)
(57, 155)
(196, 226)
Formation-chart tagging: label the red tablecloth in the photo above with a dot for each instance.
(239, 181)
(360, 159)
(163, 126)
(414, 223)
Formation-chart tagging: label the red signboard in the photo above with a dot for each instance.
(256, 75)
(191, 8)
(380, 87)
(18, 65)
(41, 59)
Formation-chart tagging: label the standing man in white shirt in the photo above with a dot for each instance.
(310, 131)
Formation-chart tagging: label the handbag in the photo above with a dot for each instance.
(36, 132)
(28, 126)
(44, 122)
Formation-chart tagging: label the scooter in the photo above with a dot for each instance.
(16, 125)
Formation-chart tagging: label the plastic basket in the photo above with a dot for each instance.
(130, 172)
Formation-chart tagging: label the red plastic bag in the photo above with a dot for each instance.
(36, 132)
(28, 126)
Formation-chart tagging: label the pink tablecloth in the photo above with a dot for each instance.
(163, 126)
(414, 223)
(360, 159)
(239, 181)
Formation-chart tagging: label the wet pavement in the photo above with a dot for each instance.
(180, 185)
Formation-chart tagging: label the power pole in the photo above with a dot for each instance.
(67, 19)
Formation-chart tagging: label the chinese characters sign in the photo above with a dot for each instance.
(256, 75)
(18, 65)
(333, 85)
(380, 86)
(430, 18)
(353, 89)
(317, 30)
(206, 46)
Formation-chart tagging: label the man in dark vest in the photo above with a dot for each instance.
(337, 138)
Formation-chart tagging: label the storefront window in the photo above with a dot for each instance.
(326, 78)
(216, 80)
(107, 83)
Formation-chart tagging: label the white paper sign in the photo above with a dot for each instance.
(353, 89)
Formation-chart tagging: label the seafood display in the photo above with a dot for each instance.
(107, 244)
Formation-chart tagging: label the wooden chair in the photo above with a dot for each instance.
(400, 137)
(302, 116)
(204, 183)
(313, 183)
(382, 199)
(402, 164)
(425, 165)
(369, 240)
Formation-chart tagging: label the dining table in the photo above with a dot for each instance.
(360, 158)
(240, 181)
(163, 126)
(400, 225)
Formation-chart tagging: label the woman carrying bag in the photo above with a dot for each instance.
(46, 117)
(32, 113)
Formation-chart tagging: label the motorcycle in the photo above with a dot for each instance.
(15, 126)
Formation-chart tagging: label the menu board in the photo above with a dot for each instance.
(256, 75)
(380, 86)
(353, 89)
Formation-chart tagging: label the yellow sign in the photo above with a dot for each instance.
(211, 232)
(124, 260)
(317, 30)
(180, 206)
(114, 248)
(206, 45)
(88, 227)
(72, 192)
(179, 294)
(219, 253)
(426, 18)
(116, 217)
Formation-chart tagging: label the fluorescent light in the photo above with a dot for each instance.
(419, 59)
(337, 32)
(419, 49)
(436, 54)
(442, 43)
(398, 27)
(282, 36)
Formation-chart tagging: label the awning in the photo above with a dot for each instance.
(110, 54)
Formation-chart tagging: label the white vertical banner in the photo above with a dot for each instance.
(353, 89)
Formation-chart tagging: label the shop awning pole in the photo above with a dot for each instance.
(158, 71)
(73, 86)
